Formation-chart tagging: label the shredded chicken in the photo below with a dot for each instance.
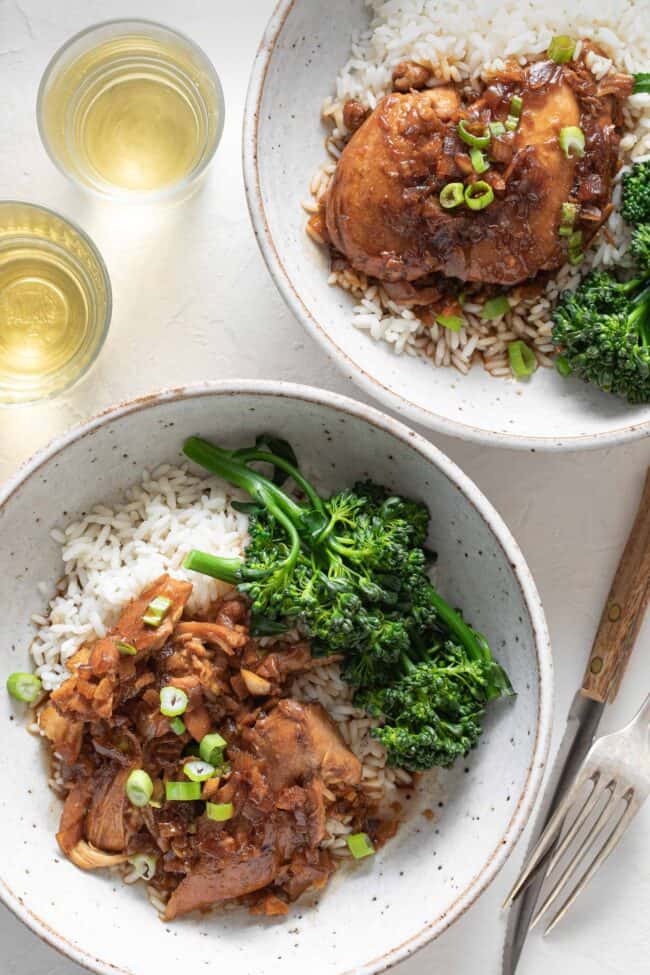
(288, 767)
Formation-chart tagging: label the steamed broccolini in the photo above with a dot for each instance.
(603, 327)
(351, 572)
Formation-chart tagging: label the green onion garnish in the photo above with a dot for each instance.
(139, 788)
(173, 702)
(144, 867)
(568, 217)
(516, 105)
(478, 141)
(126, 649)
(453, 322)
(156, 611)
(359, 845)
(24, 687)
(219, 811)
(452, 195)
(211, 749)
(561, 49)
(575, 247)
(182, 791)
(572, 141)
(496, 128)
(522, 359)
(495, 308)
(479, 162)
(642, 83)
(512, 122)
(177, 726)
(478, 195)
(562, 366)
(198, 771)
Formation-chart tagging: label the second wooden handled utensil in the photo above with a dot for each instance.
(617, 632)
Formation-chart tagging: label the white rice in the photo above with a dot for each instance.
(461, 39)
(113, 552)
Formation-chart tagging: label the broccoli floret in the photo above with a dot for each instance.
(351, 572)
(640, 247)
(635, 207)
(603, 331)
(431, 713)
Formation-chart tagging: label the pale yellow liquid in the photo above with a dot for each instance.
(141, 135)
(43, 314)
(54, 303)
(133, 113)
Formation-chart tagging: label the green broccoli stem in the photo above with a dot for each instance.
(458, 627)
(266, 457)
(226, 464)
(640, 316)
(228, 570)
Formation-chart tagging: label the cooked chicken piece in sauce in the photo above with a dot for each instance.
(383, 211)
(289, 765)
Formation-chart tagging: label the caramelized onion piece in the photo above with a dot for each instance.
(88, 857)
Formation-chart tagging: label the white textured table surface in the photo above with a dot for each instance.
(192, 300)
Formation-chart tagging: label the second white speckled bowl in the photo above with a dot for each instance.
(305, 46)
(431, 872)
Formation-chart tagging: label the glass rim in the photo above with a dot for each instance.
(121, 195)
(108, 314)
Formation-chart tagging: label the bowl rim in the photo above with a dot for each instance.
(390, 398)
(504, 538)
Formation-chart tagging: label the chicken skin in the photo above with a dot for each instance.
(383, 210)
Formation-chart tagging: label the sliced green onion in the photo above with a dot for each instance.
(139, 788)
(572, 141)
(24, 687)
(562, 366)
(177, 726)
(496, 128)
(219, 811)
(156, 611)
(182, 791)
(516, 105)
(359, 845)
(453, 322)
(126, 649)
(479, 161)
(452, 195)
(173, 702)
(478, 141)
(478, 195)
(561, 49)
(144, 867)
(495, 308)
(642, 83)
(575, 247)
(211, 749)
(568, 217)
(198, 771)
(512, 123)
(522, 359)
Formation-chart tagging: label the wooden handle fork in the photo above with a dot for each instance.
(624, 610)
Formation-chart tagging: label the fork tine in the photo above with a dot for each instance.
(578, 823)
(547, 839)
(606, 849)
(569, 871)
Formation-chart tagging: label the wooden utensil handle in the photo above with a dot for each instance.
(624, 610)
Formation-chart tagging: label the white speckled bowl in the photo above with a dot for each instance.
(433, 871)
(304, 47)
